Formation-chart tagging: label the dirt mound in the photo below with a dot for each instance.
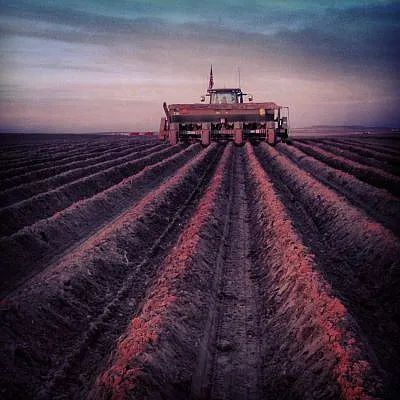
(156, 272)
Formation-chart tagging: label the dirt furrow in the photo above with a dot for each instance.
(83, 153)
(31, 162)
(98, 146)
(236, 364)
(358, 256)
(311, 348)
(299, 339)
(203, 368)
(156, 356)
(225, 272)
(375, 145)
(378, 203)
(362, 149)
(360, 155)
(373, 176)
(46, 204)
(29, 250)
(30, 189)
(37, 150)
(82, 302)
(85, 161)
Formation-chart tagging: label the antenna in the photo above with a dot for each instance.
(239, 76)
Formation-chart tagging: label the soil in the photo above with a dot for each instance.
(150, 271)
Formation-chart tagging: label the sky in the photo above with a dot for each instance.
(102, 66)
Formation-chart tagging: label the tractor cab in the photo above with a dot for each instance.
(224, 96)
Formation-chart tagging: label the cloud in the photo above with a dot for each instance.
(161, 50)
(332, 38)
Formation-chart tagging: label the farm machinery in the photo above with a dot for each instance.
(226, 116)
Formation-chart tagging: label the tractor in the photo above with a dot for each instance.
(226, 116)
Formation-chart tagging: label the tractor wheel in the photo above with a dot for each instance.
(205, 137)
(271, 137)
(238, 137)
(173, 138)
(162, 134)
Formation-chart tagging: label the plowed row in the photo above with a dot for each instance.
(147, 271)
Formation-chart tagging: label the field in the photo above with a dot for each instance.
(133, 269)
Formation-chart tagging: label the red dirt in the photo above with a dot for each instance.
(225, 272)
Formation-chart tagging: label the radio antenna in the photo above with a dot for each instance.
(239, 76)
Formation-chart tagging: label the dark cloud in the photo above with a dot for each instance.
(355, 44)
(364, 37)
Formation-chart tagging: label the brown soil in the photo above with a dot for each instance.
(376, 202)
(387, 147)
(371, 175)
(362, 155)
(33, 247)
(44, 205)
(226, 272)
(69, 170)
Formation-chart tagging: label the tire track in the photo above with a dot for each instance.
(205, 360)
(236, 369)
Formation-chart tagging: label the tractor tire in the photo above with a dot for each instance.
(173, 138)
(163, 133)
(205, 138)
(271, 137)
(238, 137)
